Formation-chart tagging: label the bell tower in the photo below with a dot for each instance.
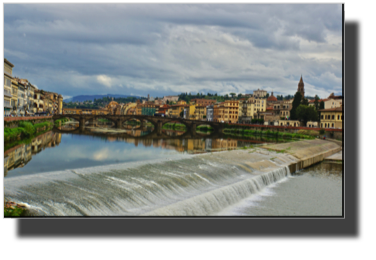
(301, 86)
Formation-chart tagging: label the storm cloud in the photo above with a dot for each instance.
(141, 49)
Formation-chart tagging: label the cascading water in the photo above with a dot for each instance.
(193, 186)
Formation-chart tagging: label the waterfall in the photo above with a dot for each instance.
(184, 187)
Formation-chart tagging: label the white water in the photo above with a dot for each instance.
(185, 187)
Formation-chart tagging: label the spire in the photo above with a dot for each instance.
(301, 79)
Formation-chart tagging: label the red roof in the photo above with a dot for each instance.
(272, 98)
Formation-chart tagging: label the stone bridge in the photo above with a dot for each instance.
(158, 122)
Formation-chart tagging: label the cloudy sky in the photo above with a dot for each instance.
(142, 49)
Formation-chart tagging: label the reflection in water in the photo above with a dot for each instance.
(20, 155)
(106, 146)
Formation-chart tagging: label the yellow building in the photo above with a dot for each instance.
(8, 69)
(331, 117)
(200, 112)
(175, 110)
(227, 112)
(190, 111)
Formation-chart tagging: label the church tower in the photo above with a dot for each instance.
(301, 86)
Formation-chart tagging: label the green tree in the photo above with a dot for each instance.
(240, 95)
(297, 101)
(232, 94)
(322, 105)
(181, 113)
(317, 102)
(305, 102)
(267, 95)
(306, 113)
(167, 102)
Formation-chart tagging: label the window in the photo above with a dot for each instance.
(338, 117)
(7, 82)
(332, 117)
(332, 124)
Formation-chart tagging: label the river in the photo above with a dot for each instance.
(66, 174)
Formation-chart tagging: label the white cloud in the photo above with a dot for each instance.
(104, 80)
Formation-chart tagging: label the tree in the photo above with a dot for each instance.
(306, 113)
(181, 113)
(322, 105)
(267, 95)
(167, 102)
(232, 94)
(317, 102)
(305, 102)
(240, 95)
(295, 104)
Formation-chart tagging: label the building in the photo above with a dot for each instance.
(148, 109)
(112, 107)
(209, 113)
(202, 101)
(246, 110)
(163, 109)
(21, 98)
(200, 112)
(176, 111)
(181, 102)
(170, 99)
(14, 100)
(38, 101)
(125, 109)
(84, 111)
(8, 71)
(271, 100)
(282, 108)
(331, 117)
(294, 123)
(259, 93)
(189, 111)
(301, 86)
(227, 112)
(312, 124)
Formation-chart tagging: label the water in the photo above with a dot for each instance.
(314, 191)
(110, 175)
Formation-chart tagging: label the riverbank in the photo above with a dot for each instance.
(24, 133)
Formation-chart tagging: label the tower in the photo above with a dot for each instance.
(301, 86)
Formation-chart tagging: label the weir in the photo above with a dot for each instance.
(189, 185)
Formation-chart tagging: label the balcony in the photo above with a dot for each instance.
(7, 92)
(7, 104)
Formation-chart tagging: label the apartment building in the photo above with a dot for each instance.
(8, 71)
(200, 112)
(176, 110)
(38, 101)
(14, 99)
(331, 118)
(227, 112)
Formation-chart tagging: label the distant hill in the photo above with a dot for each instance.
(83, 98)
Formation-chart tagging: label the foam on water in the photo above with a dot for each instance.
(189, 186)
